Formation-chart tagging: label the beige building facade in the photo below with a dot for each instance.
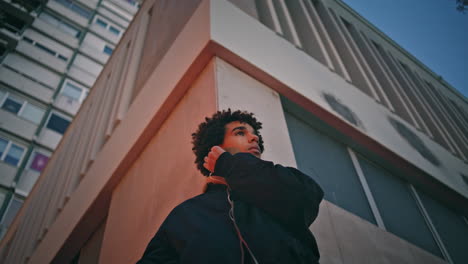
(51, 53)
(382, 135)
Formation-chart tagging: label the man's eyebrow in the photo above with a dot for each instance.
(239, 128)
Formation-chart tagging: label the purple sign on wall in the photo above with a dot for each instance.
(39, 162)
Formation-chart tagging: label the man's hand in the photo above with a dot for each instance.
(212, 157)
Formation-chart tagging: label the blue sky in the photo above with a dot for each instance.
(433, 31)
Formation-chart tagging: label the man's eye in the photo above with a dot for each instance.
(240, 133)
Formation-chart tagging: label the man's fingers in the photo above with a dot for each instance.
(217, 149)
(212, 157)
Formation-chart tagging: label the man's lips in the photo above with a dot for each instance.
(254, 148)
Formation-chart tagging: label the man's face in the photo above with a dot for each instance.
(240, 137)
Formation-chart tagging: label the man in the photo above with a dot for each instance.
(252, 211)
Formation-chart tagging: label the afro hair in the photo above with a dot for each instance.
(211, 133)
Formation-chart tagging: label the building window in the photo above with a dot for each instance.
(38, 161)
(81, 11)
(58, 123)
(107, 25)
(132, 2)
(392, 194)
(12, 105)
(60, 24)
(73, 91)
(333, 169)
(32, 113)
(114, 30)
(101, 23)
(11, 153)
(45, 49)
(108, 50)
(21, 107)
(450, 225)
(11, 211)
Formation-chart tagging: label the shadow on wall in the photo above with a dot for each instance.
(414, 141)
(343, 110)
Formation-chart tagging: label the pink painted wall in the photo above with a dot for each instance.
(162, 177)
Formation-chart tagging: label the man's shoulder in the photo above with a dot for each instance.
(189, 204)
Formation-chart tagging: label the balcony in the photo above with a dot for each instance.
(68, 13)
(26, 85)
(56, 34)
(17, 125)
(41, 56)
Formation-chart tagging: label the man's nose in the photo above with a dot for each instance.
(253, 137)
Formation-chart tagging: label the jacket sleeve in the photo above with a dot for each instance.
(286, 194)
(159, 250)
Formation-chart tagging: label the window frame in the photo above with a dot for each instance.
(82, 88)
(59, 115)
(24, 104)
(10, 202)
(107, 47)
(7, 149)
(110, 27)
(75, 8)
(60, 23)
(45, 49)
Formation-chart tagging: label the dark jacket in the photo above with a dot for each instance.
(273, 208)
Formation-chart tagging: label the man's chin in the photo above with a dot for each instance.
(256, 153)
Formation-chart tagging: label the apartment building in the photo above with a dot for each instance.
(383, 135)
(51, 53)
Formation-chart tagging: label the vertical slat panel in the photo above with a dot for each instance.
(136, 52)
(442, 131)
(56, 196)
(417, 102)
(268, 16)
(400, 89)
(307, 32)
(68, 171)
(358, 78)
(109, 99)
(461, 112)
(119, 87)
(24, 229)
(376, 66)
(441, 116)
(408, 89)
(349, 32)
(399, 101)
(459, 120)
(428, 113)
(32, 228)
(460, 135)
(289, 31)
(445, 117)
(90, 135)
(339, 66)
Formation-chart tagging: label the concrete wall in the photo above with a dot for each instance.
(342, 236)
(237, 90)
(163, 176)
(346, 238)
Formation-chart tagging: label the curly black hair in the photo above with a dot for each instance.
(211, 133)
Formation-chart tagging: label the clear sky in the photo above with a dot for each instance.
(433, 31)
